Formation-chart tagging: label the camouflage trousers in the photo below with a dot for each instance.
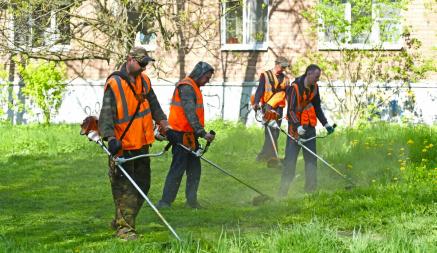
(127, 199)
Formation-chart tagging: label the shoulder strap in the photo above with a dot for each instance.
(125, 78)
(295, 86)
(271, 79)
(272, 83)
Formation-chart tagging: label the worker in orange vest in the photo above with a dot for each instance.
(270, 95)
(303, 110)
(187, 122)
(126, 121)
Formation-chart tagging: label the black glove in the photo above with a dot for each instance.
(329, 128)
(172, 137)
(114, 146)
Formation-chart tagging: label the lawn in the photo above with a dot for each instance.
(55, 195)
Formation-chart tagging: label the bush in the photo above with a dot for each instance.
(44, 86)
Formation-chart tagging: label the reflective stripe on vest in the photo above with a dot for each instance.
(268, 89)
(306, 112)
(140, 132)
(177, 119)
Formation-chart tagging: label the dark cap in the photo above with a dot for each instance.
(140, 54)
(282, 61)
(200, 69)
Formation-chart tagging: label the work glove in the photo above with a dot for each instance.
(209, 137)
(158, 135)
(301, 130)
(114, 146)
(329, 128)
(172, 136)
(161, 130)
(163, 126)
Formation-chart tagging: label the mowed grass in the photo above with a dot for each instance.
(55, 195)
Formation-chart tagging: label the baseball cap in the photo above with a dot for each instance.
(282, 61)
(140, 54)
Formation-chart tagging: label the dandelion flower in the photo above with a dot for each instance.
(402, 168)
(349, 166)
(401, 149)
(424, 150)
(410, 141)
(430, 145)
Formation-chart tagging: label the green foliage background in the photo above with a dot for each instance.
(45, 85)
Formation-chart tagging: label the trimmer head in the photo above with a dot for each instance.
(261, 199)
(274, 163)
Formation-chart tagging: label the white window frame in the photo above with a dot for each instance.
(374, 40)
(243, 47)
(148, 47)
(50, 37)
(10, 26)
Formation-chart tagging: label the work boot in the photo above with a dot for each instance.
(113, 224)
(163, 205)
(311, 189)
(274, 163)
(127, 234)
(282, 193)
(193, 205)
(261, 157)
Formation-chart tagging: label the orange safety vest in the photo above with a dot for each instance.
(306, 112)
(177, 119)
(140, 132)
(274, 93)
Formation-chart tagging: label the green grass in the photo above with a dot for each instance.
(55, 195)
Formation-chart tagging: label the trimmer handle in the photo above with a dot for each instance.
(167, 147)
(208, 142)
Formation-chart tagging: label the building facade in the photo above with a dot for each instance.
(240, 39)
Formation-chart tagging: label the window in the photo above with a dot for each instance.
(147, 41)
(244, 25)
(50, 28)
(360, 24)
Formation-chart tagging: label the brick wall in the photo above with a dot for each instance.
(289, 36)
(421, 16)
